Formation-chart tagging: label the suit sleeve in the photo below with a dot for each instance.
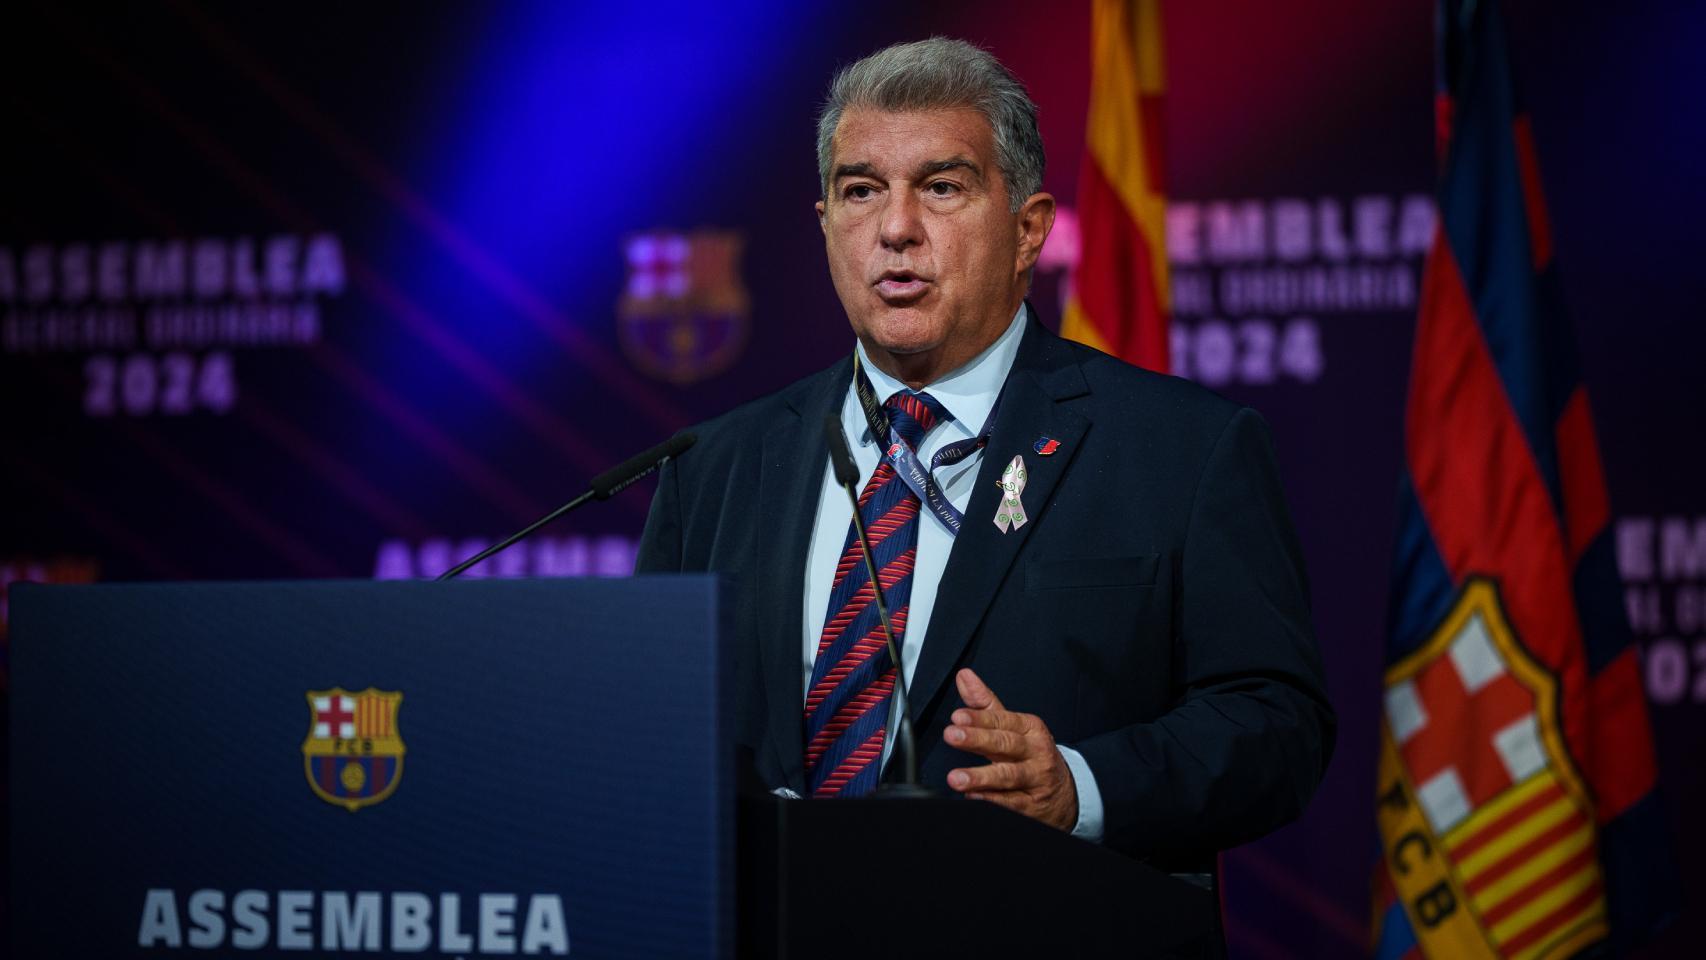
(660, 542)
(1247, 741)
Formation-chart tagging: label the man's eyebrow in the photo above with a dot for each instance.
(854, 170)
(924, 170)
(951, 163)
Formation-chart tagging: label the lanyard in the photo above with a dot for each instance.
(920, 480)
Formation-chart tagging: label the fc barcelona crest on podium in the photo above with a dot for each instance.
(353, 755)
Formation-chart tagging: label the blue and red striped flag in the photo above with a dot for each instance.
(1515, 804)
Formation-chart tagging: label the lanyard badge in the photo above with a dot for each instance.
(904, 459)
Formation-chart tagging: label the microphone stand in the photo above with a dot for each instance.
(513, 538)
(603, 487)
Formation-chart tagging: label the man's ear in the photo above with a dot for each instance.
(1035, 220)
(820, 224)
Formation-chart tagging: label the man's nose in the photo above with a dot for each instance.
(903, 220)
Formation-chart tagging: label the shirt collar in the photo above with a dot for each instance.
(969, 391)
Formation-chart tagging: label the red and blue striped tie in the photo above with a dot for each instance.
(847, 707)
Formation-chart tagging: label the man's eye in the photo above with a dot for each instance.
(859, 191)
(942, 188)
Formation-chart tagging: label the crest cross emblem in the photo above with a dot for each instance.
(1485, 823)
(353, 755)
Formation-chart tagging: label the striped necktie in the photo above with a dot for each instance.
(847, 707)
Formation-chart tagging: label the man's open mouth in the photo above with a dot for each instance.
(901, 285)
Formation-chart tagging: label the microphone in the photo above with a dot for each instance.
(847, 475)
(603, 487)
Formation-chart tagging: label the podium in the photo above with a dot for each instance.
(480, 768)
(951, 877)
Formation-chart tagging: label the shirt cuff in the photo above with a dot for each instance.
(1089, 825)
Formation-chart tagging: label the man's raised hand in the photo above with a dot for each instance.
(1025, 772)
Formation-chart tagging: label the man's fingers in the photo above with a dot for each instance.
(1026, 773)
(996, 776)
(990, 719)
(975, 692)
(996, 744)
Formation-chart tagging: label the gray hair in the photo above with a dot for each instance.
(938, 73)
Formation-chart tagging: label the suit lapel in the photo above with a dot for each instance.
(790, 481)
(1043, 375)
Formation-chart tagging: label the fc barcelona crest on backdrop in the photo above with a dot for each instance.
(1485, 823)
(353, 755)
(683, 314)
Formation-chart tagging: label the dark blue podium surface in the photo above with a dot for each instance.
(472, 768)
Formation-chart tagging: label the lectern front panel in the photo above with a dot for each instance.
(471, 768)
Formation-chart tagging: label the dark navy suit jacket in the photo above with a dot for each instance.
(1153, 612)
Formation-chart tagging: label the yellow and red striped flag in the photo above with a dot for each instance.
(1119, 302)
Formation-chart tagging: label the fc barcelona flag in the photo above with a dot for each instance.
(1515, 801)
(1119, 301)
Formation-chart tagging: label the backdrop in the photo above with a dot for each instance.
(315, 290)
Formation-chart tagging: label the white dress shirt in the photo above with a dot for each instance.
(968, 393)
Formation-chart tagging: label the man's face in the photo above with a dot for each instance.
(924, 254)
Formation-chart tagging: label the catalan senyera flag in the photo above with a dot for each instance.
(1515, 797)
(1119, 301)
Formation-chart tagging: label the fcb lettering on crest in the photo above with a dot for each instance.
(353, 755)
(1485, 823)
(684, 310)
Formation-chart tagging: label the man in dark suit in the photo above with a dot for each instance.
(1098, 595)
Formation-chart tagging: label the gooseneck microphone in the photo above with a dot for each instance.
(603, 487)
(847, 475)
